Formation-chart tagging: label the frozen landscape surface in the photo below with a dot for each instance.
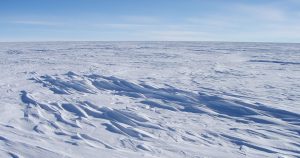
(149, 99)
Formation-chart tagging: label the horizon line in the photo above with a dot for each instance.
(44, 41)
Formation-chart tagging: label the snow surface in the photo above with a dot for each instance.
(149, 99)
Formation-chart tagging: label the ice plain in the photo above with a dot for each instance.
(149, 99)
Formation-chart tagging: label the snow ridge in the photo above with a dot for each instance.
(68, 117)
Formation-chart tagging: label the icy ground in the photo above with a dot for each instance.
(149, 99)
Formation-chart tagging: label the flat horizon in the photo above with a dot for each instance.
(147, 41)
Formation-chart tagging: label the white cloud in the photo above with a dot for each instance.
(177, 35)
(122, 25)
(140, 19)
(36, 22)
(262, 12)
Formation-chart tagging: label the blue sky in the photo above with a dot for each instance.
(144, 20)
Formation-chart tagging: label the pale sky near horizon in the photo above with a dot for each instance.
(150, 20)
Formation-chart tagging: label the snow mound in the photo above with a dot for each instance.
(72, 119)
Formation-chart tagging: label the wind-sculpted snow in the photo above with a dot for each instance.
(140, 128)
(59, 86)
(149, 100)
(178, 100)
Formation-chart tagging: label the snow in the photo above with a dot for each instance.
(149, 99)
